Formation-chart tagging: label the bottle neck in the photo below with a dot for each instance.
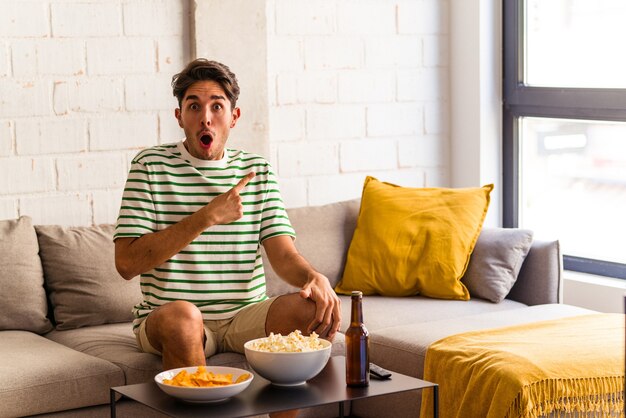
(356, 317)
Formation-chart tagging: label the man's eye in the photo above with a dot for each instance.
(217, 106)
(194, 106)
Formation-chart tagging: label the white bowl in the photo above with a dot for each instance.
(205, 394)
(288, 369)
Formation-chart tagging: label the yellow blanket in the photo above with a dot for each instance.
(530, 370)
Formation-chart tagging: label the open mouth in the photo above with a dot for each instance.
(206, 140)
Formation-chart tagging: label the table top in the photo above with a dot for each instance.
(261, 397)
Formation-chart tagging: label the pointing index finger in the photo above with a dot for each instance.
(242, 183)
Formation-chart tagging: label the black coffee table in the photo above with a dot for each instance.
(261, 397)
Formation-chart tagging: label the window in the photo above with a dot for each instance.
(565, 127)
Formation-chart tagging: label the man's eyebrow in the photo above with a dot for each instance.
(213, 97)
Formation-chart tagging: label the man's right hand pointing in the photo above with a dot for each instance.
(227, 207)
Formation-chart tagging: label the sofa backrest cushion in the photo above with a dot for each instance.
(83, 285)
(23, 304)
(323, 237)
(496, 262)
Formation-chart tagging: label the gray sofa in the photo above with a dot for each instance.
(66, 338)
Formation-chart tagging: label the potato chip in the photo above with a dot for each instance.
(243, 378)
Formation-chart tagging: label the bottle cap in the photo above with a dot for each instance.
(357, 293)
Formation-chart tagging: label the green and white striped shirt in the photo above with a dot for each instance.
(221, 271)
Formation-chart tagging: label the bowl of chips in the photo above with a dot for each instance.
(204, 384)
(288, 360)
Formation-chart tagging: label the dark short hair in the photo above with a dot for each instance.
(202, 69)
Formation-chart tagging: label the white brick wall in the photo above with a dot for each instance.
(8, 208)
(371, 79)
(4, 59)
(25, 98)
(106, 205)
(85, 19)
(70, 209)
(354, 88)
(368, 154)
(84, 84)
(123, 131)
(73, 54)
(333, 188)
(154, 18)
(304, 17)
(337, 52)
(26, 175)
(335, 121)
(146, 92)
(308, 158)
(96, 171)
(375, 17)
(51, 136)
(132, 56)
(6, 138)
(24, 18)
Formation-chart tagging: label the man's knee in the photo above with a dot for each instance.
(182, 311)
(175, 318)
(290, 312)
(294, 303)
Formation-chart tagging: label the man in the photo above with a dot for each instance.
(193, 217)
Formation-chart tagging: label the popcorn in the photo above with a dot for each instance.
(295, 342)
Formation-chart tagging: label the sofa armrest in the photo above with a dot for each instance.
(540, 280)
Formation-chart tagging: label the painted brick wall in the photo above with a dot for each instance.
(357, 87)
(83, 86)
(354, 88)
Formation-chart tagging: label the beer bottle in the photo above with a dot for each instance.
(357, 345)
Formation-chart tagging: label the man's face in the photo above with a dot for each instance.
(206, 117)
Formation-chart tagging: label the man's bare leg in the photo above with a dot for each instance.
(291, 312)
(177, 331)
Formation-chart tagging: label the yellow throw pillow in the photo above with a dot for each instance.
(412, 241)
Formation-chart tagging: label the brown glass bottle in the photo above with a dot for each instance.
(357, 345)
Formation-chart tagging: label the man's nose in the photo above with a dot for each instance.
(206, 117)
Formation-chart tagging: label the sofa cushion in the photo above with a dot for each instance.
(115, 343)
(39, 375)
(380, 312)
(323, 237)
(496, 262)
(84, 286)
(414, 240)
(23, 304)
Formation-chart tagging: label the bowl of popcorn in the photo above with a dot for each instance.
(288, 360)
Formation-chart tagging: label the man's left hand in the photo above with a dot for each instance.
(327, 305)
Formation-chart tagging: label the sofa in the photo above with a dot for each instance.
(65, 313)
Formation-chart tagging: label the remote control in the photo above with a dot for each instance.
(378, 372)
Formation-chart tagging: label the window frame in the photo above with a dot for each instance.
(520, 100)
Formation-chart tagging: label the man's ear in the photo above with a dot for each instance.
(235, 118)
(178, 117)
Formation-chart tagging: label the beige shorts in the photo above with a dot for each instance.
(224, 335)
